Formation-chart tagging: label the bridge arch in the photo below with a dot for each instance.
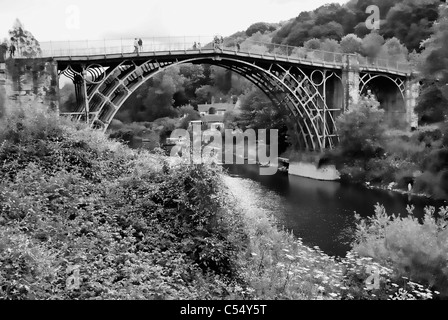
(390, 91)
(285, 85)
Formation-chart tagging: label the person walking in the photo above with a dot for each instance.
(195, 46)
(12, 50)
(140, 44)
(136, 45)
(199, 46)
(215, 42)
(238, 47)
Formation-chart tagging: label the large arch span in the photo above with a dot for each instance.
(313, 93)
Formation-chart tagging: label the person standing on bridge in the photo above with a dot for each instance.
(136, 45)
(140, 44)
(238, 47)
(12, 50)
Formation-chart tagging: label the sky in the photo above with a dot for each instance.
(56, 20)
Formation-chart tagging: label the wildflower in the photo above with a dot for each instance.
(289, 257)
(320, 288)
(436, 292)
(253, 254)
(333, 295)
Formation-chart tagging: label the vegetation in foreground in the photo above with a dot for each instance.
(85, 217)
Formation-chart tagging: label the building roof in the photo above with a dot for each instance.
(217, 106)
(208, 118)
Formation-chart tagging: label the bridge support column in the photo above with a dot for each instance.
(351, 81)
(411, 94)
(29, 81)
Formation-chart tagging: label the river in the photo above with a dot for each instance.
(319, 212)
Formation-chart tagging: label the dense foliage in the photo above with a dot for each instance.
(24, 41)
(84, 217)
(435, 56)
(414, 249)
(409, 21)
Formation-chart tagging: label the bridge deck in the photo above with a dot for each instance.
(109, 50)
(97, 58)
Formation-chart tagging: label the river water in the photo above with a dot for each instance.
(319, 212)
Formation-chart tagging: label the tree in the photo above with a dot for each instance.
(435, 55)
(330, 30)
(187, 114)
(261, 27)
(331, 45)
(372, 44)
(25, 42)
(351, 43)
(361, 130)
(313, 44)
(258, 112)
(67, 98)
(393, 49)
(431, 105)
(230, 120)
(410, 21)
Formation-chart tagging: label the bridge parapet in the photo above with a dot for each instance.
(191, 45)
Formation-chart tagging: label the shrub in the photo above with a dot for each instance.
(84, 217)
(361, 130)
(413, 249)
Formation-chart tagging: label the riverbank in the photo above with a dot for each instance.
(279, 266)
(85, 217)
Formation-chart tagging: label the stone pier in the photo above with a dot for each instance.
(29, 81)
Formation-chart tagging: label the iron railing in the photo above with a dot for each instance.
(187, 44)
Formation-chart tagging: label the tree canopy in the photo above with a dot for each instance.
(24, 40)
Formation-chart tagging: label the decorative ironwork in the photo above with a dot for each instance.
(304, 87)
(400, 82)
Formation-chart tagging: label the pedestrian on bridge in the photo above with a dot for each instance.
(136, 45)
(140, 44)
(238, 47)
(195, 46)
(12, 50)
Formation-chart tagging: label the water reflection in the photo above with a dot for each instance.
(319, 212)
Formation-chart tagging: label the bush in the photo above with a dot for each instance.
(361, 130)
(413, 249)
(83, 217)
